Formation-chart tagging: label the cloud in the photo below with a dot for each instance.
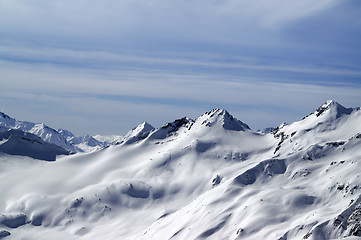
(277, 13)
(89, 115)
(116, 22)
(219, 33)
(103, 102)
(111, 61)
(146, 82)
(108, 65)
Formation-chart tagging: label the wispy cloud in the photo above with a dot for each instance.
(127, 12)
(125, 21)
(124, 98)
(96, 66)
(103, 59)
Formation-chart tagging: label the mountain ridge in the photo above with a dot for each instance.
(194, 180)
(216, 117)
(18, 142)
(61, 137)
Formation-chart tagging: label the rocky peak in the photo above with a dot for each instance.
(333, 108)
(6, 122)
(4, 116)
(178, 123)
(138, 133)
(221, 117)
(65, 133)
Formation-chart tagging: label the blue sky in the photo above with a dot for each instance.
(105, 66)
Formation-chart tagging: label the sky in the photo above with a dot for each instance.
(103, 67)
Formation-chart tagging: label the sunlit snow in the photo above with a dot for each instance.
(209, 178)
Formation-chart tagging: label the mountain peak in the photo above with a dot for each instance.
(171, 128)
(65, 133)
(6, 122)
(5, 116)
(146, 126)
(333, 108)
(138, 133)
(222, 117)
(218, 112)
(178, 123)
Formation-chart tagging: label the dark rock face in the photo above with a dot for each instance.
(174, 126)
(4, 233)
(350, 219)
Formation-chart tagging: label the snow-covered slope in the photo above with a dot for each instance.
(209, 178)
(108, 139)
(136, 134)
(44, 132)
(17, 142)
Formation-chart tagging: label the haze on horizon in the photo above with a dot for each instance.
(104, 67)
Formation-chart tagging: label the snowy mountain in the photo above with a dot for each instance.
(62, 138)
(46, 133)
(109, 139)
(209, 178)
(17, 142)
(136, 134)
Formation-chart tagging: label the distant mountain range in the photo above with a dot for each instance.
(208, 178)
(61, 137)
